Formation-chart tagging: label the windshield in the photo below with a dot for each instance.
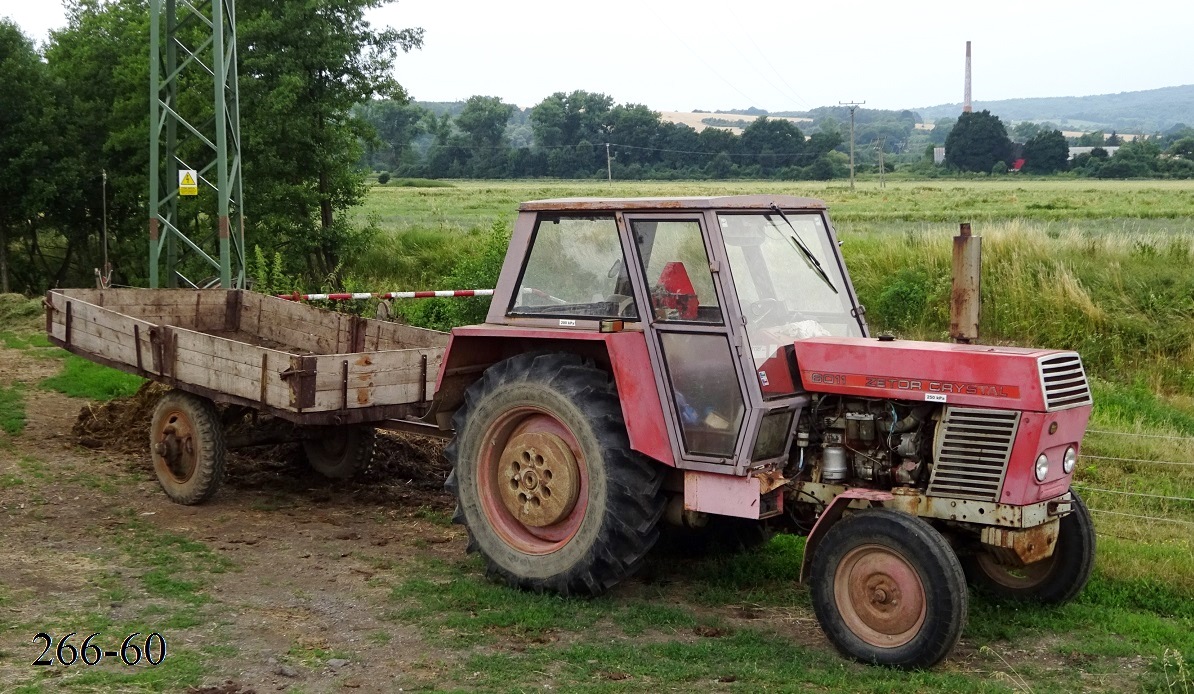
(786, 293)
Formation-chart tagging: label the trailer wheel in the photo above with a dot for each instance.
(339, 452)
(186, 443)
(545, 480)
(888, 590)
(1054, 580)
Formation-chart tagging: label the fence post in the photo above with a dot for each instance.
(965, 297)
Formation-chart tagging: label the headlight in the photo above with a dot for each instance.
(1042, 467)
(1069, 460)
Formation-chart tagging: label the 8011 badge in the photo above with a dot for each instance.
(153, 649)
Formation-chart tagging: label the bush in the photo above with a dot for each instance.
(383, 177)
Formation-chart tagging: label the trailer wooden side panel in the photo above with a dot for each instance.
(250, 349)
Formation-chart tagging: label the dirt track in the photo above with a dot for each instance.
(301, 552)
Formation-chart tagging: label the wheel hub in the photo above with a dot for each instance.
(538, 478)
(176, 446)
(880, 596)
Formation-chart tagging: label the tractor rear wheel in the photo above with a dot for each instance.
(545, 480)
(339, 452)
(186, 443)
(1054, 580)
(888, 590)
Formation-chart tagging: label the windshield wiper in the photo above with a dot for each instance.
(796, 241)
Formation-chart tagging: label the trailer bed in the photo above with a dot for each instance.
(302, 363)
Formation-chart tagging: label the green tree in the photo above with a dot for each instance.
(1094, 139)
(24, 132)
(1046, 153)
(483, 122)
(1025, 130)
(304, 65)
(566, 120)
(776, 142)
(977, 142)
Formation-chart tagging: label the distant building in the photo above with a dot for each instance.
(938, 155)
(1075, 151)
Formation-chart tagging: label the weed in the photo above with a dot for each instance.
(12, 410)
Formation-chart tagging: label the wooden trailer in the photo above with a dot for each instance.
(335, 375)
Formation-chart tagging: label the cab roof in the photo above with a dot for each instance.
(723, 202)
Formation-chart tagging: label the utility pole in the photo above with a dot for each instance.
(609, 167)
(882, 168)
(852, 105)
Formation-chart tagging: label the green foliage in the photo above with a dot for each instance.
(270, 277)
(1046, 152)
(383, 177)
(478, 270)
(977, 142)
(12, 410)
(84, 379)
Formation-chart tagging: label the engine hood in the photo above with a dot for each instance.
(1035, 380)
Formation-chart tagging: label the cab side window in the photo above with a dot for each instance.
(575, 268)
(677, 269)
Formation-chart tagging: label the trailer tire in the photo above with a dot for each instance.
(186, 444)
(888, 590)
(339, 452)
(1055, 580)
(552, 495)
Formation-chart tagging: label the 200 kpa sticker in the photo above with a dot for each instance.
(152, 650)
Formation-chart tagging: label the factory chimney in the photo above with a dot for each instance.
(966, 108)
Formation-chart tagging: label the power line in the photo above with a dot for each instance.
(1148, 436)
(1133, 515)
(1149, 496)
(1136, 460)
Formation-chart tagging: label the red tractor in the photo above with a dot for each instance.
(704, 362)
(697, 362)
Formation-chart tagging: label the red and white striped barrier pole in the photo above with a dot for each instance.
(345, 296)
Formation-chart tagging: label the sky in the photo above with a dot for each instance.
(674, 55)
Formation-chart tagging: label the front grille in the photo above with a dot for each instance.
(972, 451)
(1063, 381)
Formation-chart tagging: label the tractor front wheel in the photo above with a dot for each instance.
(888, 590)
(545, 480)
(186, 443)
(1054, 580)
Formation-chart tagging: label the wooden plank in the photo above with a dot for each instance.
(223, 382)
(232, 350)
(111, 344)
(144, 300)
(400, 336)
(83, 312)
(276, 390)
(293, 325)
(87, 343)
(378, 368)
(330, 400)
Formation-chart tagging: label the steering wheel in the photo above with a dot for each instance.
(766, 313)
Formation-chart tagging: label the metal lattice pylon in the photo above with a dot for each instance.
(192, 45)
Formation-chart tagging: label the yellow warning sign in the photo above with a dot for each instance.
(188, 182)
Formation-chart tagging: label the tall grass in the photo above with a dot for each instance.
(1124, 300)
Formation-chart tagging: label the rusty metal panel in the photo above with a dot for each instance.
(965, 298)
(1023, 546)
(731, 202)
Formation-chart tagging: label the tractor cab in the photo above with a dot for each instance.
(720, 286)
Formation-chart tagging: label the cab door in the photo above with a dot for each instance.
(684, 307)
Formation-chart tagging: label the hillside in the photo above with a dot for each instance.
(1152, 110)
